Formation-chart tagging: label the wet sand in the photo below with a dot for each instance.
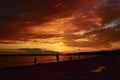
(97, 68)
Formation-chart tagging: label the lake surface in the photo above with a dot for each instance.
(13, 61)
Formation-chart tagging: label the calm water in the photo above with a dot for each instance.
(13, 61)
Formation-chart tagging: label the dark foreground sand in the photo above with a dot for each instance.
(99, 68)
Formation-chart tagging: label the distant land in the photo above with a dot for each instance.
(32, 52)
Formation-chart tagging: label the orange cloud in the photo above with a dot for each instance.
(68, 24)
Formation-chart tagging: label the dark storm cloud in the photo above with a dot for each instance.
(38, 11)
(16, 15)
(101, 38)
(107, 13)
(110, 11)
(106, 35)
(97, 14)
(16, 39)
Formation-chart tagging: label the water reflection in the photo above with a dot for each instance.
(12, 61)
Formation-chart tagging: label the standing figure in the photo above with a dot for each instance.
(57, 57)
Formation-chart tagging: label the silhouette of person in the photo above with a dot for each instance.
(57, 57)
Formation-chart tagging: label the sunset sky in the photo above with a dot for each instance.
(59, 25)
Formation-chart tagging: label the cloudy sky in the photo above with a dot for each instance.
(60, 25)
